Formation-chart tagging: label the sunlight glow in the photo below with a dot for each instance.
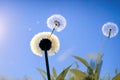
(3, 28)
(2, 32)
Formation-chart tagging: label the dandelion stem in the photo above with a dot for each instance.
(102, 46)
(109, 33)
(52, 31)
(47, 65)
(57, 24)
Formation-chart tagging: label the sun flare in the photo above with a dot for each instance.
(3, 29)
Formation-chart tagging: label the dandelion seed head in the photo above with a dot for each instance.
(56, 22)
(110, 29)
(44, 35)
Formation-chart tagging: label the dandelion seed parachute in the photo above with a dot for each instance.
(56, 22)
(39, 37)
(110, 29)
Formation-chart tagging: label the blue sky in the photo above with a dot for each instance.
(21, 20)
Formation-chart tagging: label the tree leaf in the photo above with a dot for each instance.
(79, 75)
(63, 73)
(117, 77)
(82, 60)
(42, 72)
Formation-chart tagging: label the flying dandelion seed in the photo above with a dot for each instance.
(43, 36)
(29, 29)
(37, 22)
(110, 29)
(56, 22)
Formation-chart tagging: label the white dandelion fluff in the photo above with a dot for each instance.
(39, 37)
(110, 29)
(56, 22)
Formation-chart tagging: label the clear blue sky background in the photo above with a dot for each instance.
(21, 20)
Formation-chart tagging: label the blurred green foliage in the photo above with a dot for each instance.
(74, 73)
(92, 72)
